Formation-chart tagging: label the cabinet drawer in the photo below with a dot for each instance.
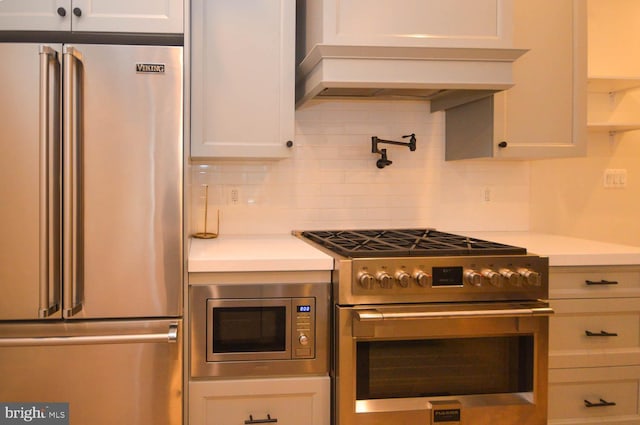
(235, 410)
(612, 391)
(594, 282)
(283, 401)
(594, 332)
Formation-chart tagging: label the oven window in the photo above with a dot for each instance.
(444, 367)
(249, 329)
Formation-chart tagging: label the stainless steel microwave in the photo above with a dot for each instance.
(259, 330)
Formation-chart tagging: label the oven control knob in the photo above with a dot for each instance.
(510, 276)
(403, 278)
(366, 280)
(531, 278)
(472, 277)
(384, 280)
(492, 276)
(422, 279)
(303, 339)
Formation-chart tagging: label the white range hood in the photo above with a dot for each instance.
(448, 76)
(448, 51)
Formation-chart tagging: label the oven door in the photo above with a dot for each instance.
(248, 329)
(436, 364)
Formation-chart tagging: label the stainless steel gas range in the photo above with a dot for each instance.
(436, 328)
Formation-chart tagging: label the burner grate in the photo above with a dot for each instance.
(406, 243)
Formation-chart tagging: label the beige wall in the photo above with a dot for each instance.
(568, 196)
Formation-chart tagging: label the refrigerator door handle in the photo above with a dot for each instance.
(71, 177)
(48, 277)
(171, 336)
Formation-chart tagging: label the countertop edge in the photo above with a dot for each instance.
(258, 253)
(566, 250)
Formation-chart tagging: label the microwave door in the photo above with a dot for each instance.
(244, 330)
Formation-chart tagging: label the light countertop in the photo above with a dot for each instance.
(563, 250)
(285, 252)
(246, 253)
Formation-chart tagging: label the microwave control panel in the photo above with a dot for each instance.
(303, 328)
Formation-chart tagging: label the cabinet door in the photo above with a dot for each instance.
(243, 73)
(35, 15)
(544, 114)
(285, 401)
(138, 16)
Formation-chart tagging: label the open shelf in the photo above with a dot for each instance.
(611, 84)
(612, 127)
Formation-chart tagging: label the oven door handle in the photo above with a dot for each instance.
(376, 315)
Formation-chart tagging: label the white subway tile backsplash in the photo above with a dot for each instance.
(332, 180)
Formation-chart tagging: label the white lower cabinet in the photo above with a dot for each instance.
(595, 332)
(282, 401)
(594, 345)
(601, 395)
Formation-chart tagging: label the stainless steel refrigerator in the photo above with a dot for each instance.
(90, 230)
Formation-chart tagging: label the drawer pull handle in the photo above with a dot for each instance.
(601, 333)
(603, 403)
(602, 282)
(260, 421)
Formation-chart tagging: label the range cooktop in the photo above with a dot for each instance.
(405, 243)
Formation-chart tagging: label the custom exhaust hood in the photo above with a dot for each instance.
(448, 76)
(448, 51)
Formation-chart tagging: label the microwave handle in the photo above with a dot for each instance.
(376, 315)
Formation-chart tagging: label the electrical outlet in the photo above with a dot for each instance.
(487, 194)
(234, 196)
(615, 178)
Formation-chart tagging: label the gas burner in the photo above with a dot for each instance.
(369, 243)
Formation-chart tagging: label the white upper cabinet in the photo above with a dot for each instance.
(132, 16)
(35, 15)
(544, 114)
(428, 23)
(140, 16)
(243, 78)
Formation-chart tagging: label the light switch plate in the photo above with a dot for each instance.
(615, 178)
